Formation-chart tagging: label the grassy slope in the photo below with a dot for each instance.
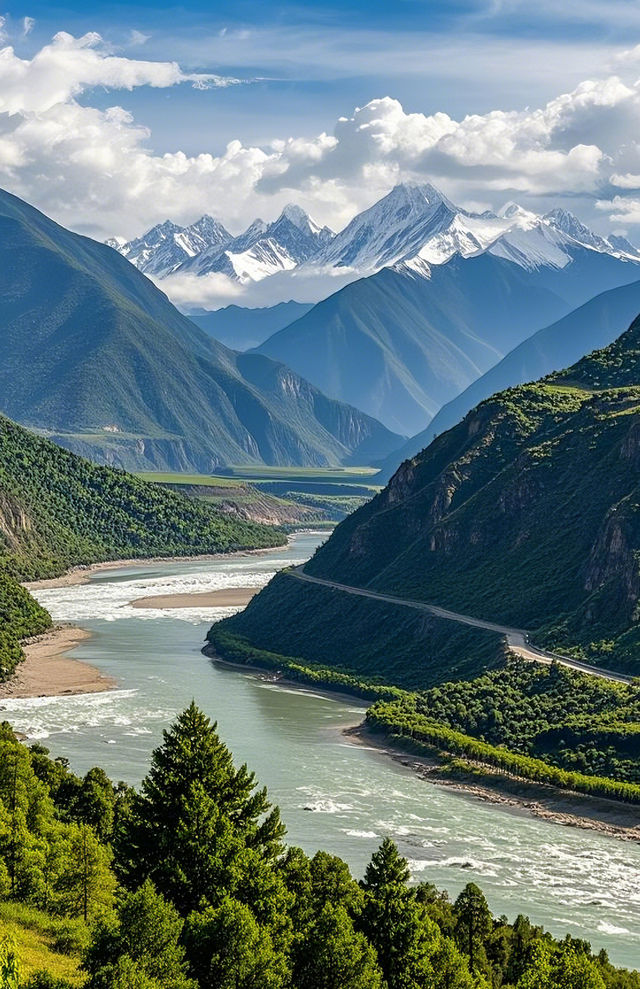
(39, 938)
(377, 642)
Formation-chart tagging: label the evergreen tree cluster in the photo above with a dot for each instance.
(188, 884)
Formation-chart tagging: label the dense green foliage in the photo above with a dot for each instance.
(550, 725)
(371, 640)
(95, 354)
(58, 510)
(568, 719)
(209, 896)
(402, 721)
(20, 617)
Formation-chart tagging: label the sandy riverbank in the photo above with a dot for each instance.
(82, 574)
(617, 820)
(47, 670)
(227, 597)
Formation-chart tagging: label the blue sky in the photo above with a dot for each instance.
(317, 61)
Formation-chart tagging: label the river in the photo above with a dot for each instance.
(333, 794)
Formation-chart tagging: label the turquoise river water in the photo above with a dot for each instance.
(333, 793)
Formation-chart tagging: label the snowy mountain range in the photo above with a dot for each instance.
(206, 246)
(413, 228)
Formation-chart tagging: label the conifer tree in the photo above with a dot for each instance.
(396, 925)
(473, 923)
(194, 814)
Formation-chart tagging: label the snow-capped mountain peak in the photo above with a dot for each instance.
(415, 226)
(563, 220)
(211, 230)
(512, 211)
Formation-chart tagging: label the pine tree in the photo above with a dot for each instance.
(195, 812)
(473, 923)
(395, 924)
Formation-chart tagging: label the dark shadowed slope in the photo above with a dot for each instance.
(93, 353)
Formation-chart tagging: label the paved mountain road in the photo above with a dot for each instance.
(517, 638)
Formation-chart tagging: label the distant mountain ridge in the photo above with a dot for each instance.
(206, 246)
(403, 342)
(241, 328)
(93, 354)
(414, 225)
(591, 326)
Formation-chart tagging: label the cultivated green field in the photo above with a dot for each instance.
(295, 496)
(362, 476)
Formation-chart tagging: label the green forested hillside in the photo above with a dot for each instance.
(58, 510)
(20, 617)
(188, 884)
(526, 513)
(93, 353)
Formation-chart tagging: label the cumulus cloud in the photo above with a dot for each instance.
(93, 169)
(68, 66)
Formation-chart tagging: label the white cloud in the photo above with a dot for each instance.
(94, 170)
(68, 66)
(138, 37)
(28, 24)
(211, 291)
(621, 210)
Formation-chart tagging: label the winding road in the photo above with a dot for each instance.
(517, 638)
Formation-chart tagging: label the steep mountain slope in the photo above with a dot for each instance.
(94, 354)
(527, 513)
(593, 325)
(241, 328)
(399, 345)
